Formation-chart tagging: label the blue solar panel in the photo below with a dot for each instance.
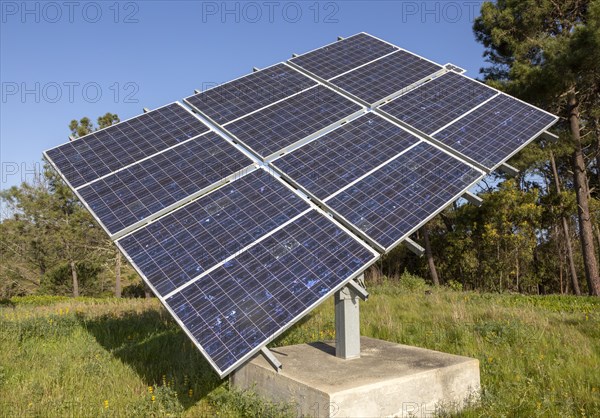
(334, 160)
(135, 193)
(120, 145)
(183, 244)
(335, 59)
(392, 202)
(438, 102)
(386, 76)
(247, 302)
(496, 130)
(283, 124)
(237, 98)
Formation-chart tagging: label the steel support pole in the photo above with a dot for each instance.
(347, 324)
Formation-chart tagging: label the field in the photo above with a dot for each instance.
(540, 356)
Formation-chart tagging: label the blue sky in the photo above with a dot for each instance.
(64, 60)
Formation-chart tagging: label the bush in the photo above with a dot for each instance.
(412, 282)
(454, 285)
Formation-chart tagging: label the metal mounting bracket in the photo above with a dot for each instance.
(270, 357)
(509, 170)
(473, 199)
(549, 136)
(414, 247)
(360, 291)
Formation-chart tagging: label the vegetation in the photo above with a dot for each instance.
(127, 357)
(70, 348)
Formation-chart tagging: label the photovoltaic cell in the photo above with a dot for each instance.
(181, 245)
(283, 124)
(336, 159)
(335, 59)
(131, 195)
(237, 98)
(386, 76)
(394, 200)
(496, 130)
(120, 145)
(438, 102)
(248, 301)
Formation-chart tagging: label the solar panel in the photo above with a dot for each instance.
(394, 201)
(386, 76)
(107, 150)
(233, 251)
(495, 131)
(271, 130)
(131, 195)
(185, 243)
(234, 310)
(237, 98)
(336, 159)
(438, 102)
(337, 58)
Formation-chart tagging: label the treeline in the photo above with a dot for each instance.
(538, 232)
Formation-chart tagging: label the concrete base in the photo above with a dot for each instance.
(387, 380)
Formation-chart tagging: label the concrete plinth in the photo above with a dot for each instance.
(386, 380)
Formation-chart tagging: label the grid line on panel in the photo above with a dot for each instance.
(106, 151)
(393, 200)
(337, 58)
(259, 204)
(130, 195)
(246, 302)
(438, 102)
(287, 122)
(492, 132)
(237, 98)
(334, 160)
(386, 76)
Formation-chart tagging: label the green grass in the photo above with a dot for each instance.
(540, 356)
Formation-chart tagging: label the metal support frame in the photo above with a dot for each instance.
(270, 357)
(347, 320)
(473, 199)
(549, 136)
(414, 247)
(509, 170)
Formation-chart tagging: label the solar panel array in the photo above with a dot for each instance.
(289, 182)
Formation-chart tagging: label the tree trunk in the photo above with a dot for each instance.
(75, 280)
(118, 275)
(565, 227)
(583, 209)
(429, 255)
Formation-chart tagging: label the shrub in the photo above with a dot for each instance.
(454, 285)
(412, 282)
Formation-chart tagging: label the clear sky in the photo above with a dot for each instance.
(61, 60)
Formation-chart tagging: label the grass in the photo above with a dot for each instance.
(540, 356)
